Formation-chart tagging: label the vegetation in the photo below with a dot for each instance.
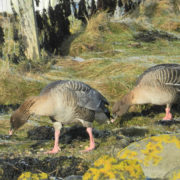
(114, 54)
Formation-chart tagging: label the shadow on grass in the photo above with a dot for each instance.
(150, 112)
(66, 45)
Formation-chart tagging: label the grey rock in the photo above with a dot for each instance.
(73, 177)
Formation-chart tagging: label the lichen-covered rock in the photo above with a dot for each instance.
(157, 155)
(174, 174)
(34, 176)
(107, 167)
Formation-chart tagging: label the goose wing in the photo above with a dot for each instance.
(86, 96)
(162, 74)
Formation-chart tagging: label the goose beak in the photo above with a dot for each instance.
(11, 132)
(112, 119)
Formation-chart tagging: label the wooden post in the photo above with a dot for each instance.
(29, 28)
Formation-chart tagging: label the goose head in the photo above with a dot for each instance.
(120, 108)
(17, 120)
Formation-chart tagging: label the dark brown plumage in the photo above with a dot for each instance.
(158, 85)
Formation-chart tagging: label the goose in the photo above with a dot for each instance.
(64, 102)
(159, 85)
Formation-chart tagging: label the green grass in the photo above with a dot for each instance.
(113, 60)
(14, 89)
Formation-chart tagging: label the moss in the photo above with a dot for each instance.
(107, 167)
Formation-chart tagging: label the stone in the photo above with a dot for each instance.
(107, 167)
(28, 167)
(73, 177)
(173, 174)
(157, 155)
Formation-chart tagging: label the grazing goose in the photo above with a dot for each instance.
(158, 85)
(65, 102)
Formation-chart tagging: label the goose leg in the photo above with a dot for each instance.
(56, 149)
(56, 143)
(168, 115)
(91, 138)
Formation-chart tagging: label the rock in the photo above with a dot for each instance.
(30, 175)
(78, 59)
(73, 177)
(134, 131)
(41, 133)
(173, 174)
(107, 167)
(151, 36)
(101, 133)
(68, 134)
(55, 178)
(157, 155)
(57, 166)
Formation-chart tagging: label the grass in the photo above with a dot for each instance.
(113, 60)
(14, 89)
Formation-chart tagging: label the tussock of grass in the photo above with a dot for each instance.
(162, 14)
(14, 89)
(92, 37)
(39, 66)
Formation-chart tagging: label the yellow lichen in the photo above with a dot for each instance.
(34, 176)
(109, 168)
(167, 139)
(152, 151)
(132, 167)
(127, 154)
(175, 176)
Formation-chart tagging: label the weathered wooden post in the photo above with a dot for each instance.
(28, 28)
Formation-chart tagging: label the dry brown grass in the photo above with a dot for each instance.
(14, 89)
(164, 14)
(92, 36)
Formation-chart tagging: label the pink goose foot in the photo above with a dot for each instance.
(167, 120)
(90, 148)
(168, 116)
(92, 143)
(53, 151)
(56, 148)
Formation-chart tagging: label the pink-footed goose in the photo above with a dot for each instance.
(65, 102)
(158, 85)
